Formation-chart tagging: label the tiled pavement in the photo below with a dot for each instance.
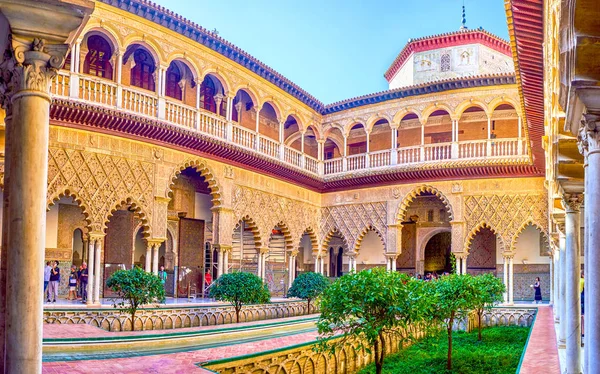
(184, 362)
(541, 355)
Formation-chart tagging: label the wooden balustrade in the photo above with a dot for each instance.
(243, 137)
(409, 155)
(293, 156)
(212, 124)
(311, 164)
(140, 102)
(333, 166)
(472, 149)
(357, 162)
(269, 147)
(98, 90)
(380, 158)
(180, 114)
(437, 152)
(60, 84)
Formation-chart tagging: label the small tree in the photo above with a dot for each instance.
(366, 306)
(134, 288)
(308, 286)
(240, 288)
(488, 291)
(451, 298)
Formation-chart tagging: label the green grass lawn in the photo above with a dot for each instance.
(499, 352)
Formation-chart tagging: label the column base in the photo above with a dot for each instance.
(562, 344)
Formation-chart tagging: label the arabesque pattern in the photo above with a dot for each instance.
(353, 221)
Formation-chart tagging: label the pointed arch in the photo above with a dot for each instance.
(403, 207)
(287, 235)
(253, 228)
(528, 222)
(80, 203)
(483, 225)
(313, 238)
(137, 209)
(202, 167)
(364, 232)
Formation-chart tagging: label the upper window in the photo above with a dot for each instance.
(173, 89)
(207, 95)
(97, 60)
(142, 74)
(445, 62)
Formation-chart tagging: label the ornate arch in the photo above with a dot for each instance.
(149, 44)
(287, 235)
(495, 103)
(313, 237)
(273, 105)
(248, 90)
(111, 36)
(376, 117)
(80, 203)
(528, 222)
(328, 237)
(253, 228)
(217, 74)
(353, 122)
(364, 232)
(433, 108)
(137, 209)
(205, 171)
(399, 116)
(460, 108)
(190, 64)
(481, 225)
(422, 244)
(403, 207)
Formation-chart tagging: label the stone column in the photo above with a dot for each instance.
(91, 261)
(98, 270)
(552, 270)
(572, 203)
(557, 279)
(220, 263)
(511, 280)
(226, 252)
(259, 264)
(27, 69)
(156, 247)
(562, 329)
(505, 278)
(148, 263)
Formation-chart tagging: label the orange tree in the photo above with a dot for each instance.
(488, 291)
(366, 307)
(240, 288)
(308, 286)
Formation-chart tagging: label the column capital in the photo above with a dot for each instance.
(222, 248)
(95, 236)
(155, 241)
(588, 138)
(29, 65)
(572, 202)
(263, 250)
(508, 255)
(294, 253)
(393, 256)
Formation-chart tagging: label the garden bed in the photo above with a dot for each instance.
(499, 352)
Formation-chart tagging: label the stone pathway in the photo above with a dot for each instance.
(541, 355)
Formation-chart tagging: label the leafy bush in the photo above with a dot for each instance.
(308, 286)
(364, 307)
(499, 354)
(134, 288)
(488, 291)
(240, 288)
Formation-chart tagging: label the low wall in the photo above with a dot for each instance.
(174, 317)
(303, 359)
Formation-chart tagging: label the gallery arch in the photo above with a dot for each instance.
(244, 248)
(483, 252)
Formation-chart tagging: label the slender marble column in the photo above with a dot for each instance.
(98, 271)
(572, 204)
(557, 301)
(505, 278)
(156, 247)
(511, 281)
(562, 329)
(552, 271)
(316, 263)
(226, 260)
(148, 264)
(259, 270)
(91, 261)
(220, 263)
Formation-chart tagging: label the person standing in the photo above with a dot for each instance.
(54, 280)
(83, 282)
(162, 275)
(538, 291)
(47, 271)
(73, 284)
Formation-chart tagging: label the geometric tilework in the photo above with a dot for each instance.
(354, 220)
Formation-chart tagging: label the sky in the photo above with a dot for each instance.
(335, 49)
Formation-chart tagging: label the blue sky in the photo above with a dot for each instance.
(335, 49)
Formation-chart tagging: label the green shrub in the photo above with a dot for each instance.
(240, 288)
(308, 286)
(134, 288)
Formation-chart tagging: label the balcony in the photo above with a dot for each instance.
(103, 92)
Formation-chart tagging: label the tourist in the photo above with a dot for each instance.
(73, 284)
(207, 278)
(79, 290)
(54, 279)
(419, 277)
(83, 281)
(581, 290)
(162, 274)
(47, 271)
(538, 291)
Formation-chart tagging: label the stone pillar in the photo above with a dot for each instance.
(562, 329)
(220, 263)
(551, 279)
(223, 259)
(322, 263)
(259, 265)
(505, 278)
(148, 263)
(91, 262)
(572, 203)
(511, 280)
(27, 68)
(316, 258)
(292, 268)
(156, 247)
(226, 253)
(97, 269)
(557, 279)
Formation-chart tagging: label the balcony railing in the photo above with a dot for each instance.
(107, 93)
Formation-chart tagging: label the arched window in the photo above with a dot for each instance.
(97, 60)
(173, 78)
(142, 72)
(207, 95)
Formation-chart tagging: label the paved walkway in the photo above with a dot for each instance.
(542, 352)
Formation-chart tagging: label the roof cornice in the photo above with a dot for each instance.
(460, 37)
